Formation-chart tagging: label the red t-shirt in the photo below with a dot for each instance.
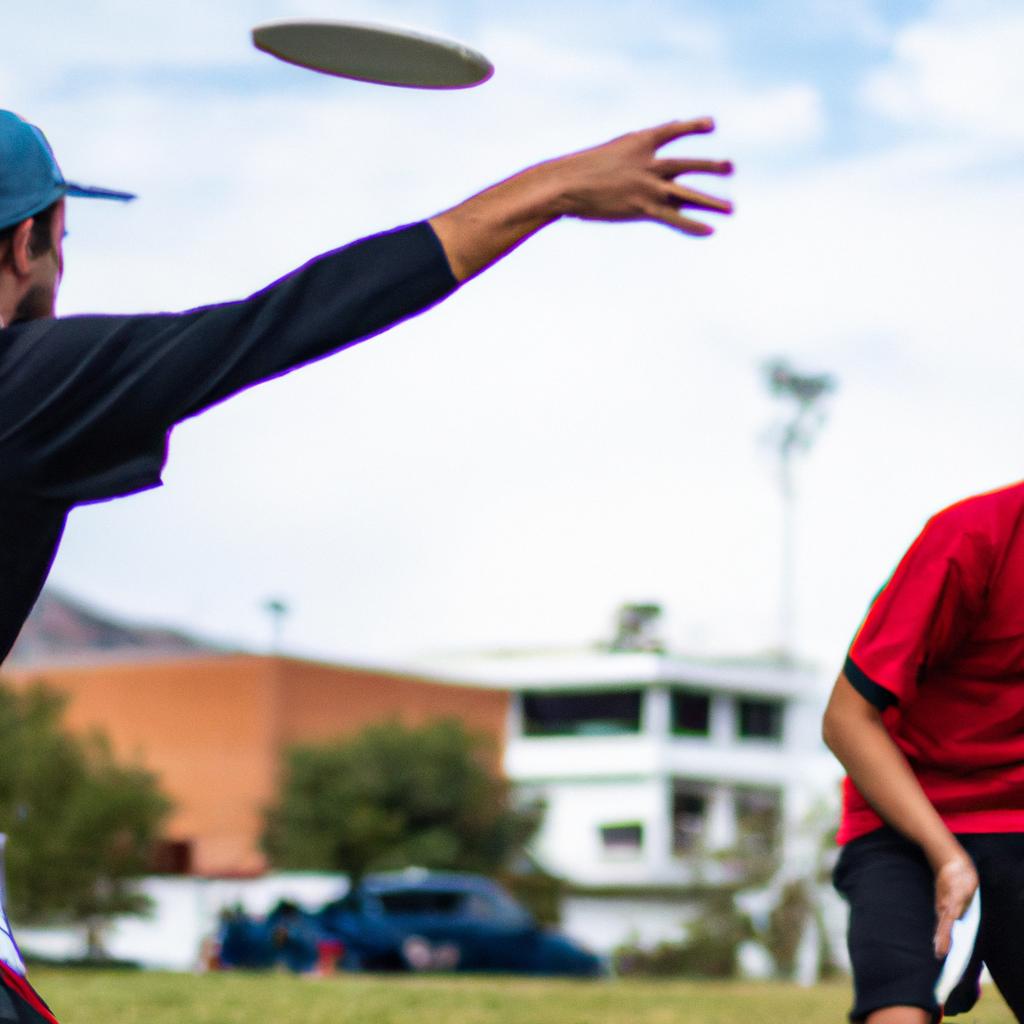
(941, 654)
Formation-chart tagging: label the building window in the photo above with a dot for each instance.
(758, 816)
(171, 857)
(760, 719)
(604, 713)
(625, 840)
(691, 713)
(689, 812)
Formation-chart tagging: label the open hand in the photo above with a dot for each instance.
(626, 180)
(621, 180)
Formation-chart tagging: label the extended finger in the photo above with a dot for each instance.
(672, 167)
(665, 133)
(943, 934)
(679, 195)
(678, 221)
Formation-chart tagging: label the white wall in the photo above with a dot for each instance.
(603, 925)
(569, 843)
(185, 911)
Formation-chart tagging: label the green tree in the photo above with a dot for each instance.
(394, 796)
(80, 826)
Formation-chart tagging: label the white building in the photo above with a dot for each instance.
(662, 775)
(655, 768)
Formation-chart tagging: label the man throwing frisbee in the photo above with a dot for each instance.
(87, 402)
(927, 717)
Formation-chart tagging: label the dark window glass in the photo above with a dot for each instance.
(605, 713)
(492, 907)
(691, 713)
(622, 838)
(689, 807)
(414, 901)
(760, 719)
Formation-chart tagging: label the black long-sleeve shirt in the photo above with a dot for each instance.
(87, 403)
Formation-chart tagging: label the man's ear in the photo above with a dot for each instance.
(19, 252)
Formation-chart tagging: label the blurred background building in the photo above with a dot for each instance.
(662, 775)
(213, 724)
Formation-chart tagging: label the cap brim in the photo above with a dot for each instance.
(92, 192)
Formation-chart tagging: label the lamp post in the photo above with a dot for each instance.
(803, 395)
(277, 608)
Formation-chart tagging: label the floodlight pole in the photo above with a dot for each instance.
(798, 431)
(787, 586)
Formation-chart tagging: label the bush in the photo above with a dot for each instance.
(709, 949)
(786, 926)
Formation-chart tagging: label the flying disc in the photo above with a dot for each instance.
(961, 948)
(374, 53)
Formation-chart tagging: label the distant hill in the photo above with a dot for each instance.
(62, 629)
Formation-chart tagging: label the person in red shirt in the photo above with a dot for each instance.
(927, 717)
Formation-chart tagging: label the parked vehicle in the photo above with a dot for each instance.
(415, 921)
(287, 936)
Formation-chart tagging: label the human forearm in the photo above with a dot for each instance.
(855, 733)
(487, 226)
(618, 181)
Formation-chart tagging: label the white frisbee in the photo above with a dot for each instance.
(961, 948)
(374, 53)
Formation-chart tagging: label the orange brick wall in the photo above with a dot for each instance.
(213, 730)
(320, 702)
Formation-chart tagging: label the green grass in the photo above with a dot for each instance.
(118, 997)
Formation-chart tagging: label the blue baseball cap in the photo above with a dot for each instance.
(30, 179)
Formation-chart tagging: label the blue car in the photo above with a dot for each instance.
(422, 921)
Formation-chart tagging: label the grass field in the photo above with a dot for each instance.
(99, 997)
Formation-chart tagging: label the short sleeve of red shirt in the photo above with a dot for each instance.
(919, 615)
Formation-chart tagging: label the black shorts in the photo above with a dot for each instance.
(19, 1001)
(891, 891)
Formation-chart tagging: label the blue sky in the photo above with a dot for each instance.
(583, 425)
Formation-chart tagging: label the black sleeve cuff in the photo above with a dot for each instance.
(876, 695)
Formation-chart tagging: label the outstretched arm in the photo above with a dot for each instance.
(132, 378)
(855, 733)
(621, 180)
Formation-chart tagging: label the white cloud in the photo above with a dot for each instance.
(853, 21)
(958, 70)
(776, 118)
(580, 425)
